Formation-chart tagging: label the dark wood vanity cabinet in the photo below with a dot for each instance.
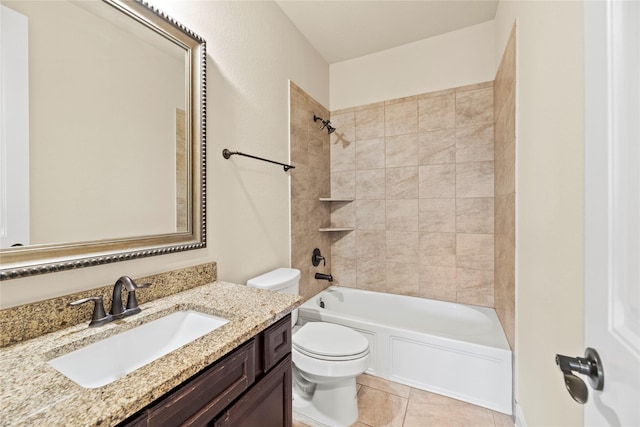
(265, 405)
(251, 386)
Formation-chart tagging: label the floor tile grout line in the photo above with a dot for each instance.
(385, 391)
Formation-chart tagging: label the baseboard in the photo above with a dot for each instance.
(520, 422)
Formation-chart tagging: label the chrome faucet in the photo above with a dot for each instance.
(117, 311)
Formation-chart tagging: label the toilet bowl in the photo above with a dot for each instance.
(327, 358)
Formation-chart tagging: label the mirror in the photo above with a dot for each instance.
(103, 135)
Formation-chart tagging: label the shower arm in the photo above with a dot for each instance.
(325, 124)
(226, 154)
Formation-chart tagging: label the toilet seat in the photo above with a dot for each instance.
(327, 341)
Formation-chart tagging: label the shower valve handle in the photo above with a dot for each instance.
(316, 257)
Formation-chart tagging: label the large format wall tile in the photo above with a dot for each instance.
(437, 283)
(370, 184)
(437, 181)
(438, 249)
(438, 112)
(370, 154)
(475, 143)
(370, 214)
(474, 286)
(401, 119)
(402, 246)
(371, 274)
(505, 174)
(505, 208)
(402, 183)
(437, 215)
(474, 215)
(438, 146)
(422, 177)
(474, 251)
(474, 107)
(369, 123)
(402, 215)
(474, 179)
(402, 278)
(310, 180)
(401, 150)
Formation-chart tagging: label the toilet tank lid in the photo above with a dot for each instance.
(277, 279)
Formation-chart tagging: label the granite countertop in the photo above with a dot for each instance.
(34, 393)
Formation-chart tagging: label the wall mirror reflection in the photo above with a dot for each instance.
(102, 135)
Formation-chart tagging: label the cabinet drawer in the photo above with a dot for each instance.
(277, 342)
(201, 398)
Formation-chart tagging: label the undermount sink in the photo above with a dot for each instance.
(107, 360)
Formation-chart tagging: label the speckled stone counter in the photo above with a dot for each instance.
(33, 393)
(43, 317)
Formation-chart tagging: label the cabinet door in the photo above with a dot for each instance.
(267, 404)
(201, 399)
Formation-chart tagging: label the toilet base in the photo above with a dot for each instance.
(332, 405)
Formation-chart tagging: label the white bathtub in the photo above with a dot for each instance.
(452, 349)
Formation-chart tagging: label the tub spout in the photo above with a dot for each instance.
(320, 276)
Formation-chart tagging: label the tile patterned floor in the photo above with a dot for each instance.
(385, 403)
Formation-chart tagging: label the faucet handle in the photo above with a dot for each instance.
(99, 316)
(132, 301)
(317, 257)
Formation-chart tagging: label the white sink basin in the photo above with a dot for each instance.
(105, 361)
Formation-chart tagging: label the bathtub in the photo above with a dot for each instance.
(451, 349)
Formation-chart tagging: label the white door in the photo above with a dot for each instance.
(612, 212)
(14, 128)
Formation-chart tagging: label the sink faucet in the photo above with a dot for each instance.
(117, 311)
(99, 317)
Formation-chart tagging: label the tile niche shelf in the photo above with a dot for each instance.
(335, 199)
(330, 229)
(335, 229)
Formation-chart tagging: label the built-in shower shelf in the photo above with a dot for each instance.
(334, 199)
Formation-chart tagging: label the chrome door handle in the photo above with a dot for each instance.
(590, 365)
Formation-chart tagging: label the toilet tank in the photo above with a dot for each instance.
(285, 280)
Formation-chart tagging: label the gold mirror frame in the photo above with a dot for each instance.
(28, 261)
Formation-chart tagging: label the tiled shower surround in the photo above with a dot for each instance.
(421, 172)
(505, 189)
(309, 182)
(433, 210)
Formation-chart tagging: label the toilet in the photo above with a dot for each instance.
(327, 358)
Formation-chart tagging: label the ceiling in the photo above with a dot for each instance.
(342, 30)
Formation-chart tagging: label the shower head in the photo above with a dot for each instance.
(325, 124)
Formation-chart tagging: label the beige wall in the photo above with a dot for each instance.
(549, 201)
(454, 59)
(253, 50)
(420, 170)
